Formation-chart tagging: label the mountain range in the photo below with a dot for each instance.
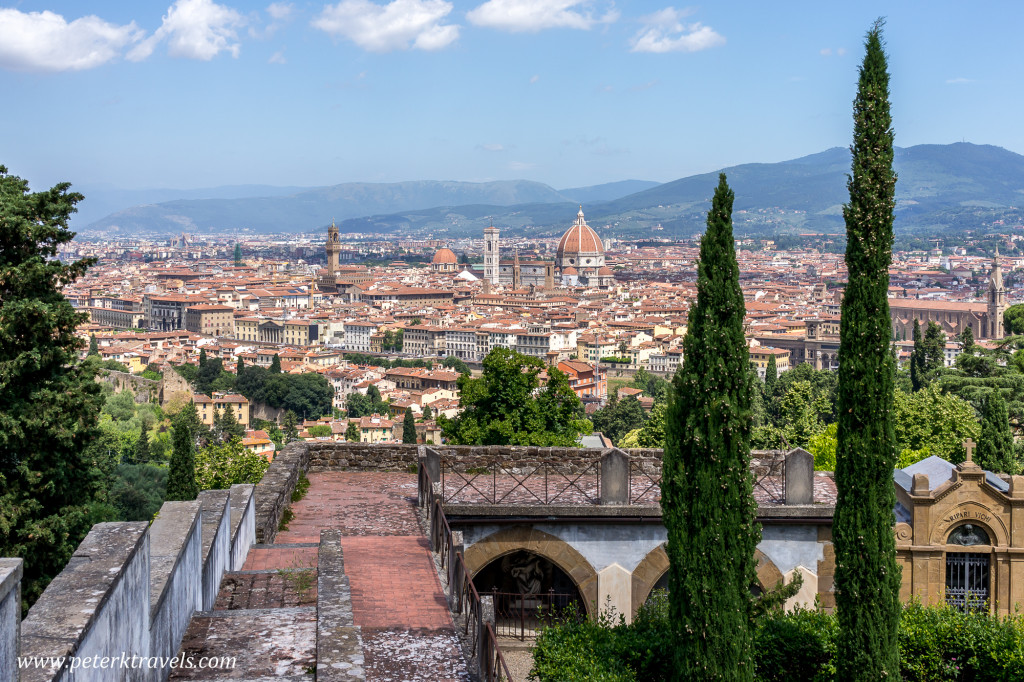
(940, 187)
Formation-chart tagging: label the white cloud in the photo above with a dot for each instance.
(664, 31)
(398, 25)
(534, 78)
(958, 81)
(194, 29)
(277, 58)
(493, 147)
(536, 15)
(828, 51)
(44, 41)
(280, 10)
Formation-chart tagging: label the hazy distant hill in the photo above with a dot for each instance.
(940, 187)
(311, 208)
(606, 192)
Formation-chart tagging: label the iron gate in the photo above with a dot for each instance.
(967, 580)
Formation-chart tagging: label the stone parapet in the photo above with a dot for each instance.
(10, 616)
(216, 552)
(339, 645)
(97, 606)
(243, 523)
(274, 492)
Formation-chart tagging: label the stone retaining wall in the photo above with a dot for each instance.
(274, 492)
(145, 390)
(129, 589)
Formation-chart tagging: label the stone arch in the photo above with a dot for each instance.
(557, 551)
(970, 512)
(768, 574)
(653, 566)
(647, 574)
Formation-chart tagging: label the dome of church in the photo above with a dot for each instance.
(580, 245)
(570, 271)
(605, 270)
(445, 256)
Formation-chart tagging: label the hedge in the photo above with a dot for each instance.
(936, 643)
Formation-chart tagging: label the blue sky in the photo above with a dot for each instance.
(198, 93)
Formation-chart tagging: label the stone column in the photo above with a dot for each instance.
(10, 617)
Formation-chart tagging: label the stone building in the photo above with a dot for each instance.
(444, 261)
(580, 256)
(211, 319)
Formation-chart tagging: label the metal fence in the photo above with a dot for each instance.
(497, 482)
(522, 615)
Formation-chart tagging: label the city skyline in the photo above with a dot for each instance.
(567, 93)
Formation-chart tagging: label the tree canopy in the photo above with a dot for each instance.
(507, 406)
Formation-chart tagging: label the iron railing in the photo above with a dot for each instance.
(522, 615)
(644, 480)
(464, 598)
(541, 483)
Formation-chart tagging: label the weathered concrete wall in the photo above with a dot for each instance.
(145, 390)
(176, 578)
(10, 616)
(791, 546)
(274, 492)
(243, 523)
(339, 645)
(97, 606)
(173, 385)
(216, 532)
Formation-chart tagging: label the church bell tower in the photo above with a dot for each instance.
(491, 254)
(996, 300)
(333, 247)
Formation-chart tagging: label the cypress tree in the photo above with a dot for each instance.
(409, 427)
(707, 499)
(142, 453)
(240, 367)
(771, 376)
(352, 432)
(867, 578)
(94, 347)
(238, 253)
(995, 449)
(275, 364)
(427, 414)
(181, 476)
(967, 340)
(917, 359)
(934, 347)
(202, 357)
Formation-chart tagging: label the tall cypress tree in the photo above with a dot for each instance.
(409, 427)
(934, 347)
(275, 364)
(917, 357)
(142, 453)
(181, 475)
(771, 376)
(94, 346)
(240, 367)
(867, 578)
(995, 449)
(707, 500)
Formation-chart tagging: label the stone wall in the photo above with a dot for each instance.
(131, 589)
(145, 390)
(274, 492)
(173, 385)
(339, 644)
(394, 457)
(10, 616)
(264, 411)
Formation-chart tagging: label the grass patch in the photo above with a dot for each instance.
(301, 487)
(286, 518)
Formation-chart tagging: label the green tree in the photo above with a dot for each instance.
(352, 432)
(619, 417)
(202, 358)
(289, 426)
(427, 414)
(181, 478)
(867, 578)
(142, 454)
(934, 347)
(220, 466)
(995, 449)
(771, 376)
(409, 427)
(505, 406)
(94, 347)
(801, 411)
(239, 367)
(917, 359)
(275, 364)
(967, 340)
(319, 431)
(137, 491)
(934, 422)
(50, 481)
(452, 362)
(229, 427)
(707, 490)
(238, 253)
(1013, 319)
